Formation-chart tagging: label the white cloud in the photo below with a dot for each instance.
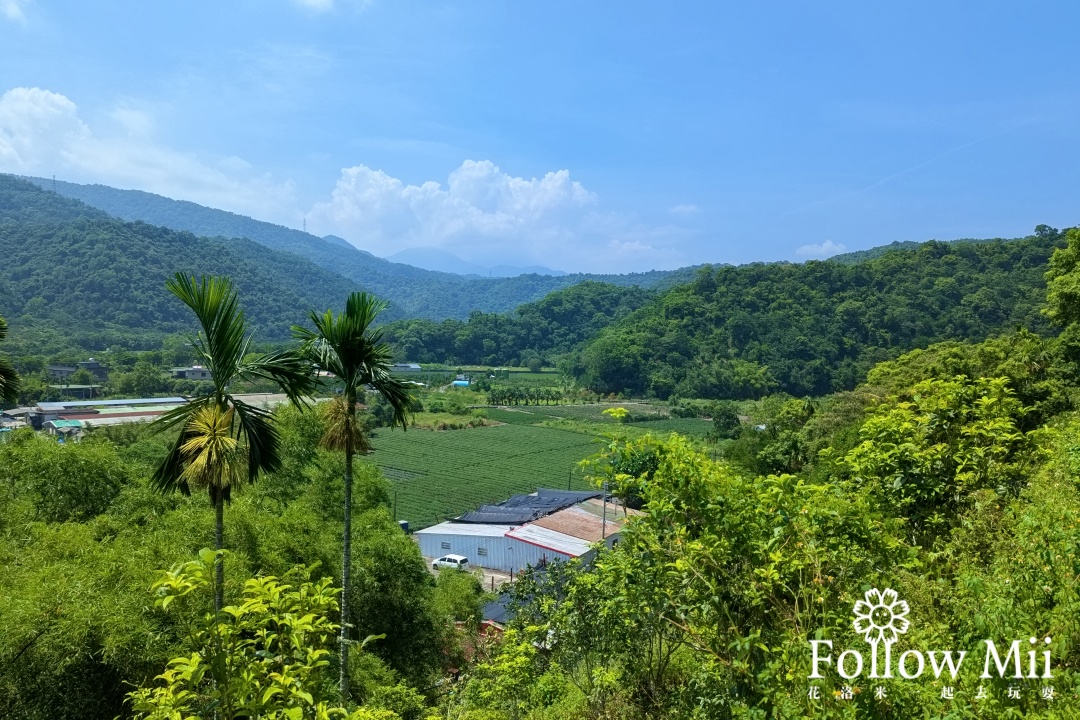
(490, 217)
(481, 212)
(821, 250)
(684, 210)
(42, 133)
(13, 10)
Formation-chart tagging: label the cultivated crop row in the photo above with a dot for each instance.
(437, 475)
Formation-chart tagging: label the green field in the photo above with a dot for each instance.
(524, 416)
(531, 414)
(691, 427)
(437, 475)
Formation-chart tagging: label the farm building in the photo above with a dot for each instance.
(195, 372)
(484, 545)
(405, 367)
(527, 530)
(107, 412)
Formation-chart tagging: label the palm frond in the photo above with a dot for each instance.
(348, 346)
(288, 369)
(167, 475)
(9, 379)
(213, 459)
(396, 393)
(339, 434)
(256, 429)
(222, 343)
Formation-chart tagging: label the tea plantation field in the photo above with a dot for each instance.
(437, 475)
(691, 427)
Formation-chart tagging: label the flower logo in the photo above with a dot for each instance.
(881, 616)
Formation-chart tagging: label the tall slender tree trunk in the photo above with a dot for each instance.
(219, 563)
(346, 553)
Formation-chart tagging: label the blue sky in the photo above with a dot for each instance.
(605, 137)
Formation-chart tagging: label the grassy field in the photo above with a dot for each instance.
(525, 416)
(691, 427)
(532, 414)
(443, 474)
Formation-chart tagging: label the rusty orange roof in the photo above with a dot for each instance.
(585, 520)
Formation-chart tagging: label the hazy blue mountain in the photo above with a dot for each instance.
(339, 241)
(441, 260)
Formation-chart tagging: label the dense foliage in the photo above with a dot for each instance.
(810, 329)
(539, 330)
(82, 534)
(707, 605)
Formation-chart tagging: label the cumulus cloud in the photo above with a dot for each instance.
(479, 212)
(821, 250)
(483, 213)
(685, 210)
(42, 133)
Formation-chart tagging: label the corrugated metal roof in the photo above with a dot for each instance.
(65, 423)
(140, 408)
(585, 520)
(107, 420)
(521, 509)
(550, 540)
(18, 411)
(466, 529)
(54, 406)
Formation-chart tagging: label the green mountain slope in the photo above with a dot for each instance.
(553, 325)
(73, 276)
(419, 293)
(817, 327)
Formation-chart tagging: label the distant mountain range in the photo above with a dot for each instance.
(445, 261)
(416, 291)
(72, 276)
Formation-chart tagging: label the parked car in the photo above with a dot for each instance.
(457, 562)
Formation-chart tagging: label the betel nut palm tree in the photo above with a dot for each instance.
(347, 346)
(9, 379)
(224, 441)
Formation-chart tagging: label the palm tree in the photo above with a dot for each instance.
(347, 346)
(223, 440)
(9, 379)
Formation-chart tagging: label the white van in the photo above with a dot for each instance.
(457, 562)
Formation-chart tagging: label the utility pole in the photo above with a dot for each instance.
(603, 524)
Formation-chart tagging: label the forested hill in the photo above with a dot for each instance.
(419, 293)
(551, 326)
(73, 276)
(817, 327)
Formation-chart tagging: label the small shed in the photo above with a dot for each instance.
(69, 429)
(485, 545)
